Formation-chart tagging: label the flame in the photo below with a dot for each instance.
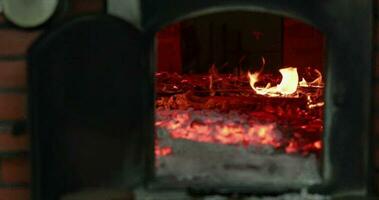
(315, 83)
(191, 117)
(288, 85)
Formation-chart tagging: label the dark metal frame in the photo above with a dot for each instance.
(347, 25)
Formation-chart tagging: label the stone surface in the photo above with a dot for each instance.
(142, 194)
(207, 165)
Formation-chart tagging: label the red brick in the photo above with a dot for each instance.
(2, 19)
(376, 29)
(9, 142)
(15, 170)
(376, 154)
(376, 64)
(12, 74)
(376, 125)
(12, 106)
(376, 95)
(376, 182)
(14, 194)
(16, 42)
(87, 6)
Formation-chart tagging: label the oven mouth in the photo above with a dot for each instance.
(239, 118)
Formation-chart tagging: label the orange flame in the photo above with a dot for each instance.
(315, 83)
(287, 86)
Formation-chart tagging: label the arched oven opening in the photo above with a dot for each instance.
(239, 102)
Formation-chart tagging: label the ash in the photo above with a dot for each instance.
(182, 195)
(210, 165)
(303, 195)
(293, 196)
(203, 159)
(240, 127)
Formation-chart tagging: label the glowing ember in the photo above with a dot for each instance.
(315, 83)
(162, 151)
(223, 109)
(216, 127)
(318, 144)
(233, 128)
(287, 86)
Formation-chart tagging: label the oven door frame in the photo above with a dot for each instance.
(346, 163)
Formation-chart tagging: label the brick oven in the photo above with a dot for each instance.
(191, 105)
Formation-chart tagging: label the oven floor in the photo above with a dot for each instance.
(206, 165)
(182, 195)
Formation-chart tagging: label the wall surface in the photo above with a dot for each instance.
(375, 96)
(14, 140)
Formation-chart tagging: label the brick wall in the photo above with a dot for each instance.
(376, 94)
(14, 140)
(169, 49)
(303, 45)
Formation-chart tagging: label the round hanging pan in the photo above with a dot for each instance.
(29, 13)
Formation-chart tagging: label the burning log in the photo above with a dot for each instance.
(294, 108)
(214, 129)
(254, 102)
(245, 129)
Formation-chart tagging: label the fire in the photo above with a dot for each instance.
(217, 127)
(318, 144)
(221, 109)
(231, 129)
(315, 83)
(162, 151)
(288, 85)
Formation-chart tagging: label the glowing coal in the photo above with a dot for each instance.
(230, 109)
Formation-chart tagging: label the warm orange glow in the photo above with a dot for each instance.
(162, 151)
(222, 109)
(287, 86)
(315, 83)
(216, 131)
(318, 144)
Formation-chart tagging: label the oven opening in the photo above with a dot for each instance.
(239, 102)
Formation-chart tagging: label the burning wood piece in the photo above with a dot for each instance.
(253, 102)
(243, 129)
(187, 106)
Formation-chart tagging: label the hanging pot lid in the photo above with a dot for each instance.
(29, 13)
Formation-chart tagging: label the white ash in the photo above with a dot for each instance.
(292, 196)
(182, 195)
(303, 195)
(218, 165)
